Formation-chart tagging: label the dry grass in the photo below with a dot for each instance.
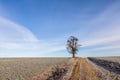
(114, 59)
(107, 67)
(22, 68)
(59, 72)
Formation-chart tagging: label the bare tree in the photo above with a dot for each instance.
(72, 45)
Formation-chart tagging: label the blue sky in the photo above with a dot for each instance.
(40, 28)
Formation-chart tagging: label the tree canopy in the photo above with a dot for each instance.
(72, 45)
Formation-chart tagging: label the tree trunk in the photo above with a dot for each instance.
(73, 55)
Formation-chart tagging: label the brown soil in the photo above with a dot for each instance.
(83, 71)
(76, 71)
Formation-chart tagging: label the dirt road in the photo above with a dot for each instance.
(83, 71)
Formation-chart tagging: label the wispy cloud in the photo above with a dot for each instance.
(108, 48)
(105, 30)
(10, 30)
(15, 37)
(100, 41)
(97, 33)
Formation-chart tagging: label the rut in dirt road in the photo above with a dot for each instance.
(76, 71)
(83, 71)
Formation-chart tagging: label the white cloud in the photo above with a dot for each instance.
(100, 41)
(14, 36)
(8, 45)
(10, 31)
(17, 38)
(105, 27)
(108, 48)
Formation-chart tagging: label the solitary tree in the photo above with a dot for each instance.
(72, 45)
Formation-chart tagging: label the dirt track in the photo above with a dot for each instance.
(76, 71)
(83, 71)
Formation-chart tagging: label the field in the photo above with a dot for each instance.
(22, 68)
(95, 68)
(113, 59)
(107, 67)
